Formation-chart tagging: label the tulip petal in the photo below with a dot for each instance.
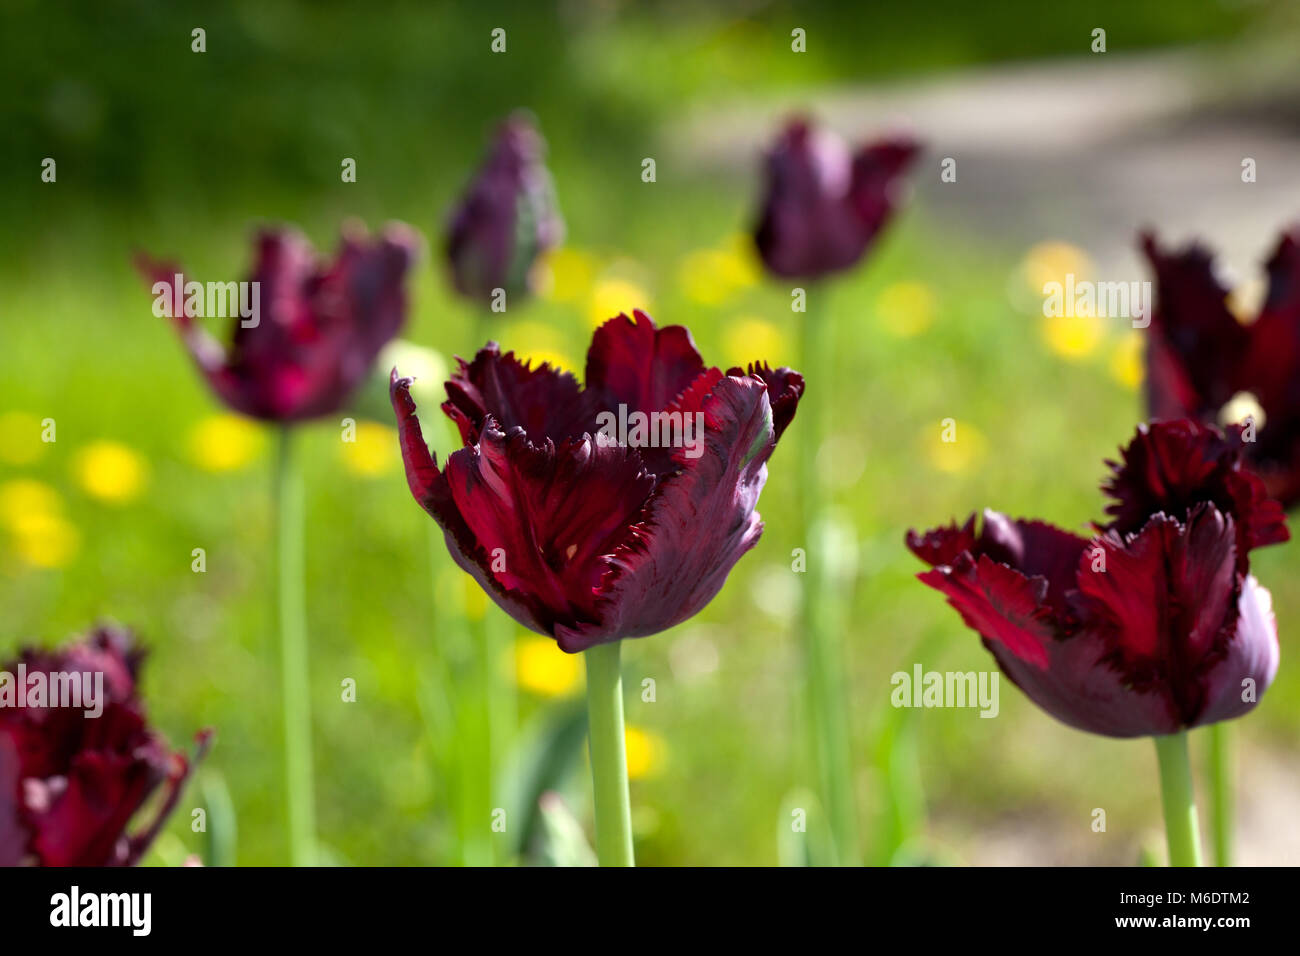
(1170, 467)
(179, 770)
(1271, 373)
(694, 528)
(430, 488)
(422, 475)
(365, 284)
(878, 169)
(999, 603)
(785, 387)
(1163, 600)
(544, 401)
(209, 355)
(1035, 549)
(631, 362)
(547, 516)
(87, 818)
(1269, 368)
(943, 545)
(1234, 684)
(13, 835)
(1196, 341)
(1077, 689)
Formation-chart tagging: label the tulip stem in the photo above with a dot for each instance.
(295, 698)
(1221, 795)
(496, 633)
(825, 703)
(1179, 800)
(608, 755)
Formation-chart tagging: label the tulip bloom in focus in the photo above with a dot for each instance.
(582, 538)
(318, 326)
(1205, 364)
(1154, 624)
(824, 205)
(506, 218)
(70, 783)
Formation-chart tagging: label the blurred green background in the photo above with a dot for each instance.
(182, 153)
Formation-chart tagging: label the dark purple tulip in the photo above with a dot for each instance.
(506, 218)
(70, 783)
(824, 206)
(319, 327)
(1153, 625)
(585, 539)
(1200, 357)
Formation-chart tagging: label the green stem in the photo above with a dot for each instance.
(1179, 800)
(294, 691)
(826, 705)
(1221, 793)
(502, 704)
(462, 675)
(496, 632)
(457, 738)
(608, 755)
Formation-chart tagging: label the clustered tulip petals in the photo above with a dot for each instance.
(320, 325)
(1152, 625)
(506, 219)
(70, 782)
(1205, 364)
(585, 539)
(823, 205)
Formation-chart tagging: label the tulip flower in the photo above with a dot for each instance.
(506, 218)
(75, 768)
(822, 209)
(1203, 363)
(615, 510)
(313, 329)
(1154, 624)
(824, 205)
(305, 335)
